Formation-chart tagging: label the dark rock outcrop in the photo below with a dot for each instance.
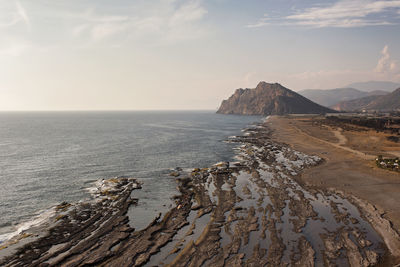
(269, 99)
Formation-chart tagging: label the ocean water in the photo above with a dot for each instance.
(47, 158)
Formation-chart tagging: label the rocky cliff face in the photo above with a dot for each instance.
(269, 99)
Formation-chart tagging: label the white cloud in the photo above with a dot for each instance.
(170, 21)
(188, 12)
(386, 70)
(14, 21)
(260, 23)
(12, 12)
(104, 30)
(342, 14)
(22, 13)
(154, 23)
(385, 63)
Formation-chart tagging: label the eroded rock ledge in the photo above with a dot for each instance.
(246, 213)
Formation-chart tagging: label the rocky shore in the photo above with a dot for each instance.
(246, 213)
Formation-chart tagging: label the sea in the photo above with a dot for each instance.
(50, 157)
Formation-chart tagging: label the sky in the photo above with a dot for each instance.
(176, 54)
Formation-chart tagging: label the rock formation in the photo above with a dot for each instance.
(269, 99)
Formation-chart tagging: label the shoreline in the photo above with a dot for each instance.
(341, 170)
(346, 170)
(249, 212)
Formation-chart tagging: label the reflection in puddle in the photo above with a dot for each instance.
(268, 204)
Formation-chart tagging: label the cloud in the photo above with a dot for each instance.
(260, 23)
(188, 12)
(167, 20)
(342, 14)
(22, 13)
(385, 70)
(104, 30)
(385, 63)
(12, 13)
(152, 23)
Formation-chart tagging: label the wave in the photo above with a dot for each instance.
(45, 215)
(42, 218)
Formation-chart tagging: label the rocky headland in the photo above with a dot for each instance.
(269, 99)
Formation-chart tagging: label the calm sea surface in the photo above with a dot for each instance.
(47, 158)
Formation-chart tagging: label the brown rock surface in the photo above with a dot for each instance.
(269, 98)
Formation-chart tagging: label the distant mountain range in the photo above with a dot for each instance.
(331, 97)
(356, 96)
(275, 99)
(269, 99)
(386, 102)
(375, 85)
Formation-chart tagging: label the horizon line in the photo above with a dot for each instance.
(100, 110)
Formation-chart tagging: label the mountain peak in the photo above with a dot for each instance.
(264, 84)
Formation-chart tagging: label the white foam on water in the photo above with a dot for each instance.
(44, 216)
(266, 119)
(36, 221)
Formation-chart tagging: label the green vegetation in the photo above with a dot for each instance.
(387, 163)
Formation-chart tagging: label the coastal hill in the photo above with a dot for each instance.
(269, 99)
(383, 103)
(331, 97)
(354, 104)
(386, 102)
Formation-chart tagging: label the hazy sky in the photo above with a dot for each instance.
(174, 54)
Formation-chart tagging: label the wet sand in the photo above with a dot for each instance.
(252, 212)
